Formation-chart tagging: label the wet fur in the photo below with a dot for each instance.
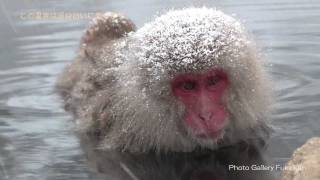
(127, 107)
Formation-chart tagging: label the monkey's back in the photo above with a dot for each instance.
(84, 83)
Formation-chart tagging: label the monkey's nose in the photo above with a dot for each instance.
(205, 116)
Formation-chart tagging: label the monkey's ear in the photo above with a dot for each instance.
(107, 26)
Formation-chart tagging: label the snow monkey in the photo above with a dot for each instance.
(192, 78)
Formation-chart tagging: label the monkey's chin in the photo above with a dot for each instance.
(210, 140)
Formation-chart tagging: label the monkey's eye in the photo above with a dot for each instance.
(212, 81)
(188, 85)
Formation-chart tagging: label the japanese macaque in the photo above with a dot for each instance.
(191, 79)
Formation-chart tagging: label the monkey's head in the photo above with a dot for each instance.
(191, 78)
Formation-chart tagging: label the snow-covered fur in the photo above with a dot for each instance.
(119, 85)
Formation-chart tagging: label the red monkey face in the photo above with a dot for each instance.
(202, 95)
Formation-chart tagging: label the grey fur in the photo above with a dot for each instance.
(118, 87)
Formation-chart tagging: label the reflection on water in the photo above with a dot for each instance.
(240, 162)
(36, 135)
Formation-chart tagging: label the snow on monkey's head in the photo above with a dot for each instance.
(190, 78)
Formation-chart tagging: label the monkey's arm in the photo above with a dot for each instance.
(259, 135)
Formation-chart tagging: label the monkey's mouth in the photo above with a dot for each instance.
(210, 134)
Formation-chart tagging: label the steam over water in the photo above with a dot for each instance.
(36, 135)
